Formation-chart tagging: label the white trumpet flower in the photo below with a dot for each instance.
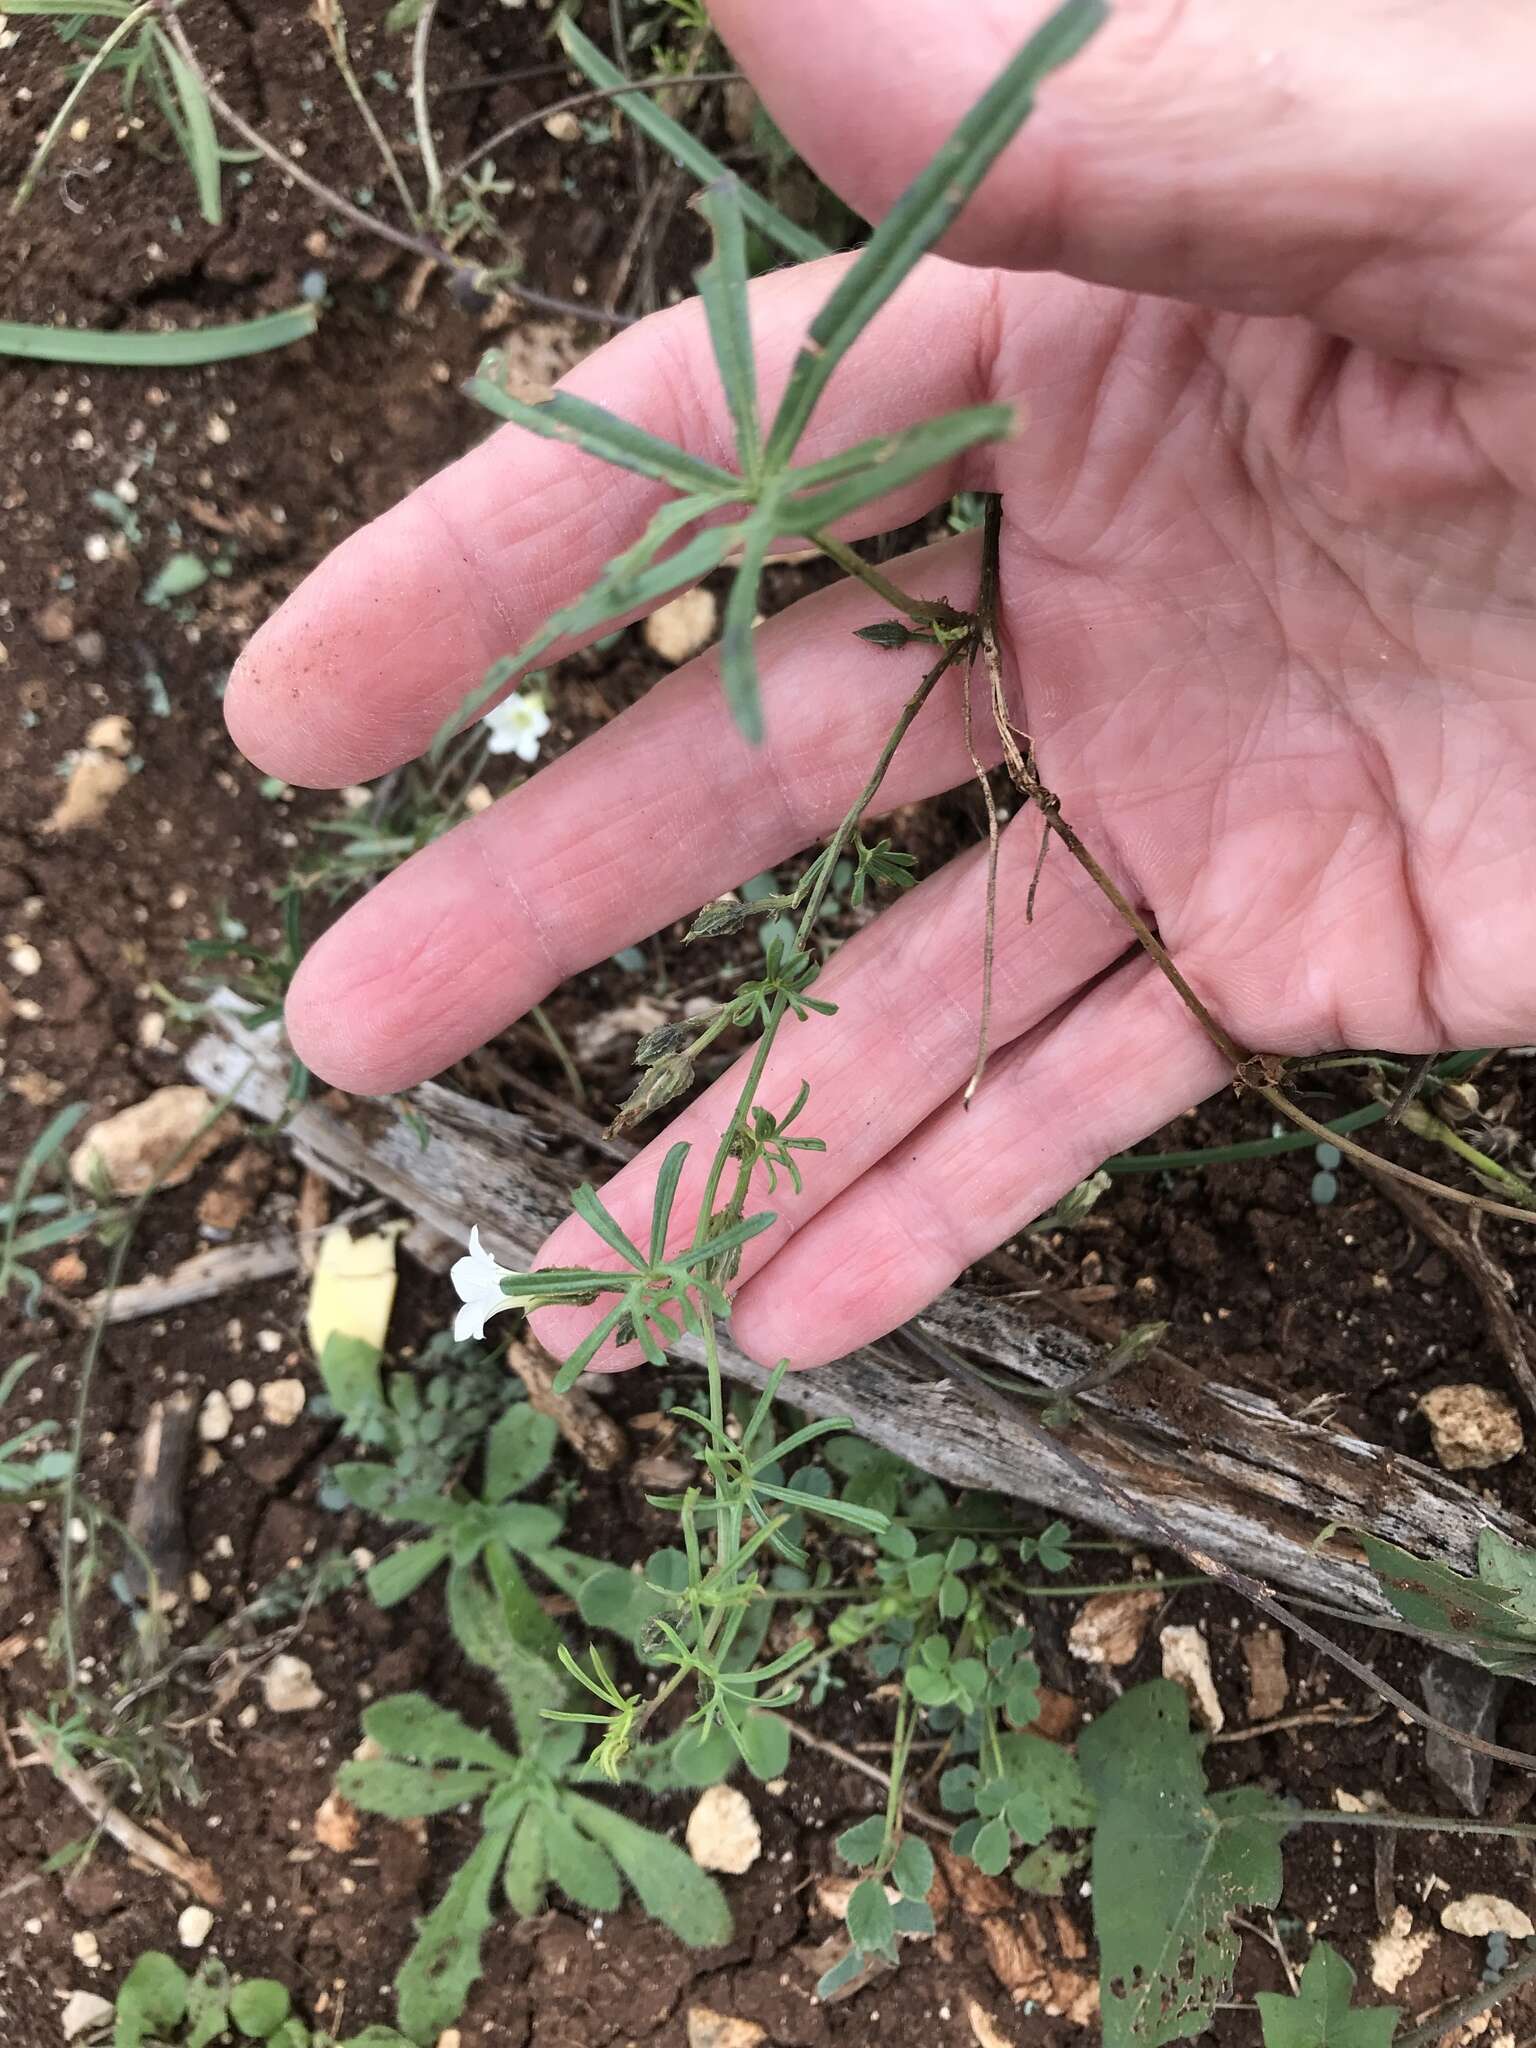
(477, 1279)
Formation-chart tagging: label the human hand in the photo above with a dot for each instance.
(1266, 594)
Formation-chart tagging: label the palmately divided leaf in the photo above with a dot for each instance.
(435, 1982)
(923, 212)
(1171, 1863)
(1487, 1618)
(667, 1881)
(1320, 2015)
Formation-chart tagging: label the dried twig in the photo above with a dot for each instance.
(596, 1438)
(199, 1878)
(1509, 1331)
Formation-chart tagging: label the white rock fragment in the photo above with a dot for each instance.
(111, 735)
(198, 1589)
(288, 1686)
(1110, 1628)
(1484, 1913)
(682, 626)
(282, 1402)
(1397, 1953)
(723, 1833)
(1187, 1661)
(84, 2012)
(710, 2029)
(87, 1948)
(164, 1139)
(562, 127)
(242, 1395)
(24, 957)
(214, 1419)
(194, 1926)
(93, 781)
(1472, 1427)
(336, 1825)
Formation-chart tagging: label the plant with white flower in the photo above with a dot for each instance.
(477, 1280)
(517, 725)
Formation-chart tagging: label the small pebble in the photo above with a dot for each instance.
(282, 1402)
(194, 1926)
(215, 1419)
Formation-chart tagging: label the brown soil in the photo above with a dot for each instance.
(261, 466)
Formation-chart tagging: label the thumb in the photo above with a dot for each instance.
(1368, 163)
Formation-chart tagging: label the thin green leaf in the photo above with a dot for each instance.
(440, 1971)
(664, 1197)
(894, 460)
(157, 351)
(922, 213)
(409, 1724)
(128, 21)
(738, 652)
(200, 141)
(684, 148)
(722, 286)
(632, 581)
(578, 423)
(588, 1348)
(668, 1883)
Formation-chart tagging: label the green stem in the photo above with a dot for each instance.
(925, 611)
(901, 1743)
(562, 1053)
(1408, 1823)
(1024, 1592)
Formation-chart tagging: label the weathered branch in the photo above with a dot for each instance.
(1227, 1469)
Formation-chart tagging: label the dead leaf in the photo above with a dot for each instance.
(1268, 1685)
(592, 1434)
(353, 1289)
(1110, 1627)
(1187, 1661)
(974, 1892)
(986, 2030)
(1022, 1965)
(1057, 1716)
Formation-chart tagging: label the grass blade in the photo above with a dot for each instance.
(129, 20)
(738, 653)
(890, 462)
(200, 142)
(116, 10)
(924, 211)
(631, 582)
(596, 431)
(683, 148)
(722, 286)
(157, 351)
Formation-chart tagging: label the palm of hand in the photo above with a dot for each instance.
(1261, 600)
(1258, 589)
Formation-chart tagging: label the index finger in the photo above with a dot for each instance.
(365, 661)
